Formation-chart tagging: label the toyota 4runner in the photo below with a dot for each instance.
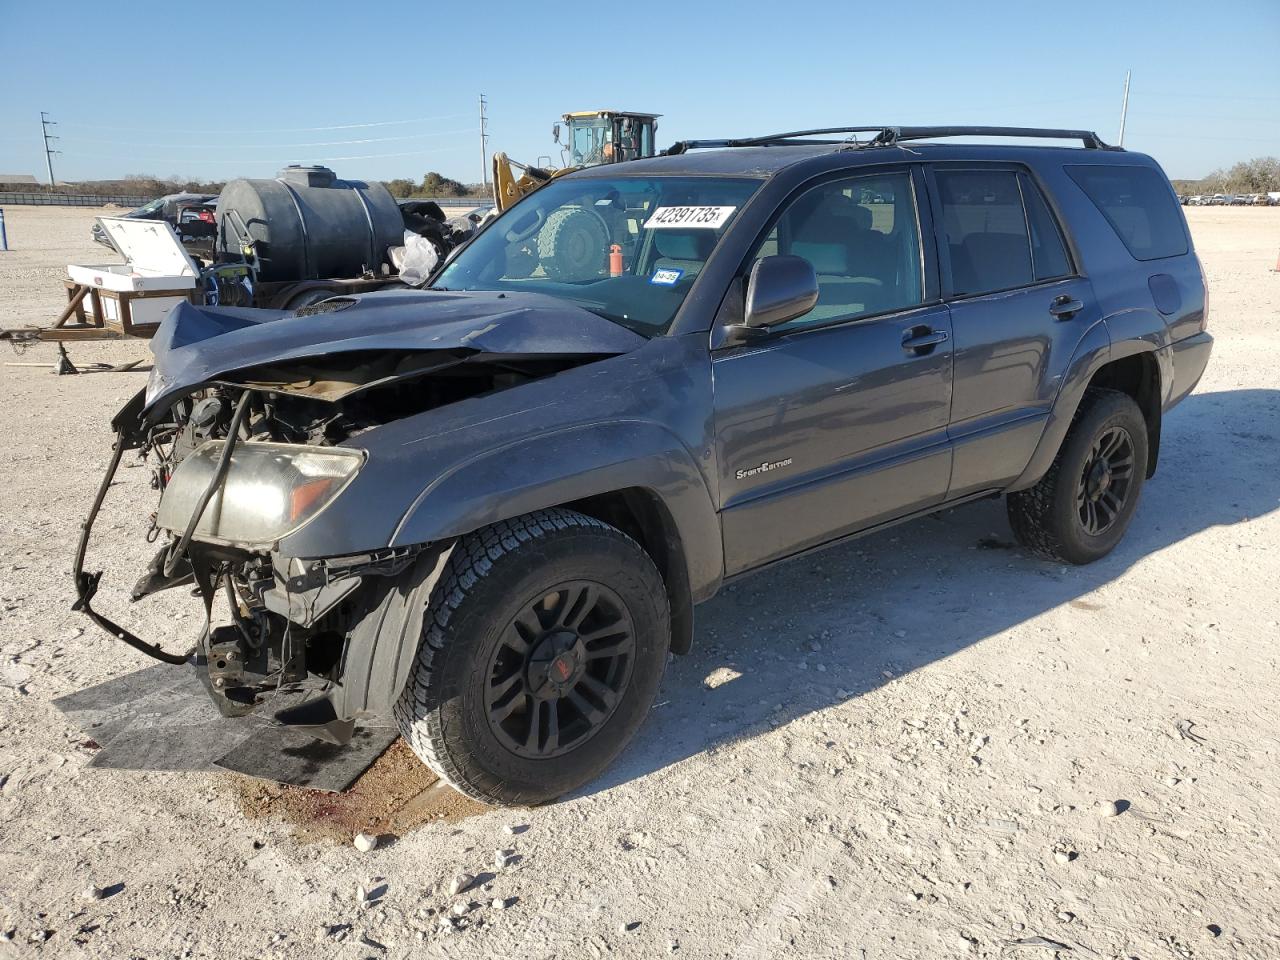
(489, 507)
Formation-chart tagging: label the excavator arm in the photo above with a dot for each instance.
(513, 180)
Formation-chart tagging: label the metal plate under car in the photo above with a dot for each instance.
(161, 718)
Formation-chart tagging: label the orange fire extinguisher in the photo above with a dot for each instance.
(615, 260)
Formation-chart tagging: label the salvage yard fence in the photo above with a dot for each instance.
(70, 199)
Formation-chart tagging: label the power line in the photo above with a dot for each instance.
(269, 146)
(1204, 96)
(341, 126)
(368, 156)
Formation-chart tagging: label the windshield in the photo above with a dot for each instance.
(147, 208)
(626, 248)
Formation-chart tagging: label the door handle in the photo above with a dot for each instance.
(1065, 307)
(920, 340)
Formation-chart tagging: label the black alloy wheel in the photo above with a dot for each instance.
(542, 648)
(1103, 488)
(559, 670)
(1081, 507)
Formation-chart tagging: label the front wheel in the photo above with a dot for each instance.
(544, 644)
(1082, 507)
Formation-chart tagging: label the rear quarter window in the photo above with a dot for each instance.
(1139, 205)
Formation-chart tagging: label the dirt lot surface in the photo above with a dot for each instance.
(897, 748)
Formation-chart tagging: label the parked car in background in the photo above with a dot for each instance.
(1273, 198)
(190, 214)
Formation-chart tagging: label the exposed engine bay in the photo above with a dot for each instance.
(242, 459)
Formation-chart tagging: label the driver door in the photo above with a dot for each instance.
(838, 420)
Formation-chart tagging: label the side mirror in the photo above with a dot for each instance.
(779, 289)
(555, 132)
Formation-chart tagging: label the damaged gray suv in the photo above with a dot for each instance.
(488, 508)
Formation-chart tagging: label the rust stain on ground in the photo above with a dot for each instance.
(395, 796)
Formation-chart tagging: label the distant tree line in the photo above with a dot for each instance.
(1260, 175)
(434, 185)
(145, 185)
(139, 185)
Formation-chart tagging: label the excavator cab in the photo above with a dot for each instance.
(593, 137)
(590, 138)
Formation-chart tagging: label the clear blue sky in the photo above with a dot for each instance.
(239, 88)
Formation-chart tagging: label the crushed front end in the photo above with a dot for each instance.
(287, 449)
(237, 470)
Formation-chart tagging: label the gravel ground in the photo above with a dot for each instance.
(902, 747)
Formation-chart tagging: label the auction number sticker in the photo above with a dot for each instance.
(671, 218)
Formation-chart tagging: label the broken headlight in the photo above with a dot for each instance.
(270, 490)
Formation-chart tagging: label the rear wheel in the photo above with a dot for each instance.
(1082, 507)
(545, 643)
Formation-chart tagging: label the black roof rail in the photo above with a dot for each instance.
(794, 138)
(890, 136)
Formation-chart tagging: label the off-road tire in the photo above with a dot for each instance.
(573, 244)
(1045, 519)
(490, 575)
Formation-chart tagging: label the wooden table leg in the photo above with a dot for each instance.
(72, 305)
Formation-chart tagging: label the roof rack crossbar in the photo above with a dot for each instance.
(891, 136)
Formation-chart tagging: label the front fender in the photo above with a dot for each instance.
(572, 464)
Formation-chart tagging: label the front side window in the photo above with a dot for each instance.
(862, 237)
(626, 248)
(1139, 205)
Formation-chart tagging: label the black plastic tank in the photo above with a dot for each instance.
(306, 224)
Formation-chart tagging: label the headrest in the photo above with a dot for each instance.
(684, 244)
(827, 258)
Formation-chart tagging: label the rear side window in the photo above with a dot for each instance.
(1048, 252)
(986, 230)
(1138, 204)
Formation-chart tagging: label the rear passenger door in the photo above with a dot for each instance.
(1018, 309)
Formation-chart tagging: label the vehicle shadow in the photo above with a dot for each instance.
(889, 603)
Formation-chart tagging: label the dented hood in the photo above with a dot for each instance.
(195, 345)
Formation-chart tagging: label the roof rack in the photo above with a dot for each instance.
(890, 136)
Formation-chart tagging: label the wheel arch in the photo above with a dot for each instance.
(635, 475)
(642, 514)
(1137, 374)
(1133, 366)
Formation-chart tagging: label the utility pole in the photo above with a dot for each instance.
(45, 124)
(1124, 107)
(484, 138)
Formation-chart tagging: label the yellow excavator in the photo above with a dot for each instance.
(591, 137)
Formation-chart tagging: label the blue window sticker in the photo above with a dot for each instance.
(666, 277)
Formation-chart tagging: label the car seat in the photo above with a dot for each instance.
(684, 250)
